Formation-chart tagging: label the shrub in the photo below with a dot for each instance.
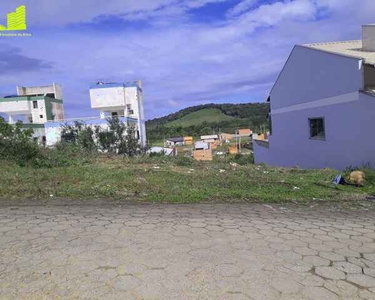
(183, 161)
(242, 159)
(63, 155)
(16, 143)
(80, 135)
(157, 154)
(118, 138)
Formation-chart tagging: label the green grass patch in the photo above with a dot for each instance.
(175, 180)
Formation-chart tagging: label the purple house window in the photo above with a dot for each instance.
(317, 129)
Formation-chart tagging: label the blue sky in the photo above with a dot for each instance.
(186, 52)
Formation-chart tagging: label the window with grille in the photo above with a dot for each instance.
(317, 128)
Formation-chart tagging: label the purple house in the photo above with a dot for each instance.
(323, 107)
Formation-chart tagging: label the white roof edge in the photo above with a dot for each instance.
(311, 46)
(334, 42)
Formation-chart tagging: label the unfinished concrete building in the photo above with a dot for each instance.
(34, 106)
(120, 100)
(41, 108)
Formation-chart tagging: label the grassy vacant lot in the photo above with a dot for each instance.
(209, 115)
(176, 180)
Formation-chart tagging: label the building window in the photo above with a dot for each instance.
(317, 129)
(131, 112)
(41, 116)
(35, 104)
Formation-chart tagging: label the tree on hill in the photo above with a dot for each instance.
(248, 115)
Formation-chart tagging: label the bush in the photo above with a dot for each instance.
(79, 135)
(242, 159)
(80, 144)
(63, 155)
(183, 161)
(157, 154)
(118, 138)
(16, 144)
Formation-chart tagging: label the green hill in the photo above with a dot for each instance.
(208, 118)
(210, 115)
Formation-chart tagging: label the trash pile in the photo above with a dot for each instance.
(355, 178)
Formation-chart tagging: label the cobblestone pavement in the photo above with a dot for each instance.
(186, 252)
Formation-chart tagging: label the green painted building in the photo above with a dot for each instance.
(34, 106)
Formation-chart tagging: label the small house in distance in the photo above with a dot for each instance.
(244, 132)
(202, 151)
(323, 107)
(202, 154)
(213, 137)
(188, 140)
(227, 137)
(200, 145)
(161, 150)
(173, 142)
(213, 140)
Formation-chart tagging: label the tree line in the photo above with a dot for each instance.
(249, 115)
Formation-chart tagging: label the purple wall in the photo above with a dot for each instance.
(350, 138)
(311, 75)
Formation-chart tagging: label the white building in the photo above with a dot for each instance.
(34, 106)
(122, 100)
(323, 107)
(213, 137)
(173, 142)
(41, 109)
(162, 150)
(201, 145)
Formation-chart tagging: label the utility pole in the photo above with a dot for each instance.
(239, 146)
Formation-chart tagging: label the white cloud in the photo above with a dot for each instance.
(200, 3)
(272, 14)
(62, 12)
(242, 7)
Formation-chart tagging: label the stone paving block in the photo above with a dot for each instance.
(316, 261)
(362, 280)
(347, 267)
(330, 273)
(205, 251)
(320, 293)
